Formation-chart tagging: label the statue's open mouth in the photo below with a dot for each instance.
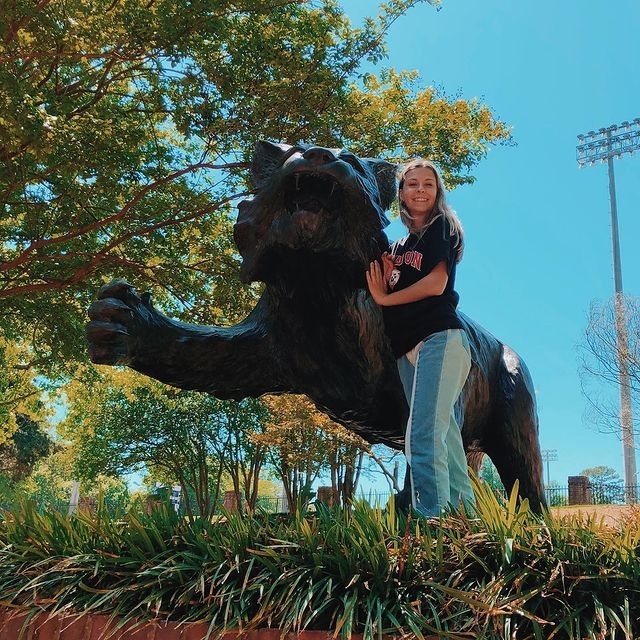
(313, 193)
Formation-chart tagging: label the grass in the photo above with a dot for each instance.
(500, 572)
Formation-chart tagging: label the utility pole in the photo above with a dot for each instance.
(606, 144)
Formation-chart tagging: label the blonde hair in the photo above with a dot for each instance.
(440, 207)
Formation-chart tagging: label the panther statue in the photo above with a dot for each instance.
(309, 232)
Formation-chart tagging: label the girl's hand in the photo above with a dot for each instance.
(377, 283)
(387, 266)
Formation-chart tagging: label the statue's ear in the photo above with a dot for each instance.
(385, 173)
(267, 157)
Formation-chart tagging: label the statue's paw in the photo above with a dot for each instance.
(119, 290)
(116, 323)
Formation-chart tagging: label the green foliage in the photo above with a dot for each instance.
(20, 393)
(489, 474)
(125, 134)
(301, 443)
(49, 485)
(28, 444)
(126, 131)
(132, 424)
(607, 487)
(500, 572)
(602, 475)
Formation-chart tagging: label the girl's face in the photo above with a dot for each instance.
(419, 192)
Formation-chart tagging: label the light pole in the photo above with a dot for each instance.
(549, 455)
(606, 144)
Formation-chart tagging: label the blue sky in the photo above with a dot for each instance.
(538, 229)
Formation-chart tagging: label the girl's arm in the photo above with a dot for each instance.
(433, 284)
(387, 266)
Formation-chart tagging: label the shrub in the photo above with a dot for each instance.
(499, 572)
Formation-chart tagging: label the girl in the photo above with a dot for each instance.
(415, 288)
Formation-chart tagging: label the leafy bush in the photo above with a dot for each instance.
(500, 572)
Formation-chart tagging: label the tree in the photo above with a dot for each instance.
(302, 443)
(239, 453)
(130, 423)
(603, 358)
(347, 453)
(22, 397)
(125, 135)
(384, 461)
(269, 496)
(606, 485)
(28, 444)
(489, 474)
(50, 482)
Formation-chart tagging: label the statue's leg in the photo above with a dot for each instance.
(403, 497)
(514, 447)
(474, 461)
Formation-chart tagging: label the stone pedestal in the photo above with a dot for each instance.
(230, 501)
(328, 496)
(579, 490)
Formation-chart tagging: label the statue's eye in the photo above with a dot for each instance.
(292, 151)
(352, 160)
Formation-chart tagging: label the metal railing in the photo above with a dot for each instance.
(597, 494)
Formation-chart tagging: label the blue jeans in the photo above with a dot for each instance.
(433, 441)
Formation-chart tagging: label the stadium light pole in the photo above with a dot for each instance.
(549, 455)
(606, 144)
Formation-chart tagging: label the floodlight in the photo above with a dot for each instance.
(609, 144)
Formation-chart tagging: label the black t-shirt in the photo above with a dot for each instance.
(415, 256)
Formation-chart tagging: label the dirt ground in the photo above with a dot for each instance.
(610, 514)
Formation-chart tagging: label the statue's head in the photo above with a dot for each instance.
(312, 204)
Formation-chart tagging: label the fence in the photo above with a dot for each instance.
(592, 494)
(609, 493)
